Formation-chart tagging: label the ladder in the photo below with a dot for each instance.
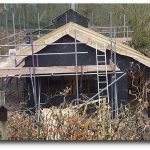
(103, 93)
(102, 77)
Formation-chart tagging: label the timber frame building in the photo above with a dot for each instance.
(74, 57)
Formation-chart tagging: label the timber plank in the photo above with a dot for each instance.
(53, 70)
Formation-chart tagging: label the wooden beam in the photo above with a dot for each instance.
(83, 35)
(53, 70)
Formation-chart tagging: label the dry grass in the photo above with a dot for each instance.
(80, 126)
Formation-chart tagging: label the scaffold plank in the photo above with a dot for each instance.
(52, 70)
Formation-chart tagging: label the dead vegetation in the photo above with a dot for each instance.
(61, 124)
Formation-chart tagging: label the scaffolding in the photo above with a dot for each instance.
(103, 94)
(20, 35)
(101, 60)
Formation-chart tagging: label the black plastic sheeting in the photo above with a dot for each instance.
(123, 62)
(66, 59)
(58, 101)
(58, 84)
(70, 16)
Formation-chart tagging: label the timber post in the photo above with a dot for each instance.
(3, 116)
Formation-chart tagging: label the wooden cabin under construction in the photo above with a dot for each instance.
(72, 63)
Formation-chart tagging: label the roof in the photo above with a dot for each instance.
(84, 35)
(70, 11)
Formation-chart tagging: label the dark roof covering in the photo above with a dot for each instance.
(70, 11)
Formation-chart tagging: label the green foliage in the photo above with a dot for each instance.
(138, 19)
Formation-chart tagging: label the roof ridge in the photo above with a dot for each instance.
(95, 37)
(106, 38)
